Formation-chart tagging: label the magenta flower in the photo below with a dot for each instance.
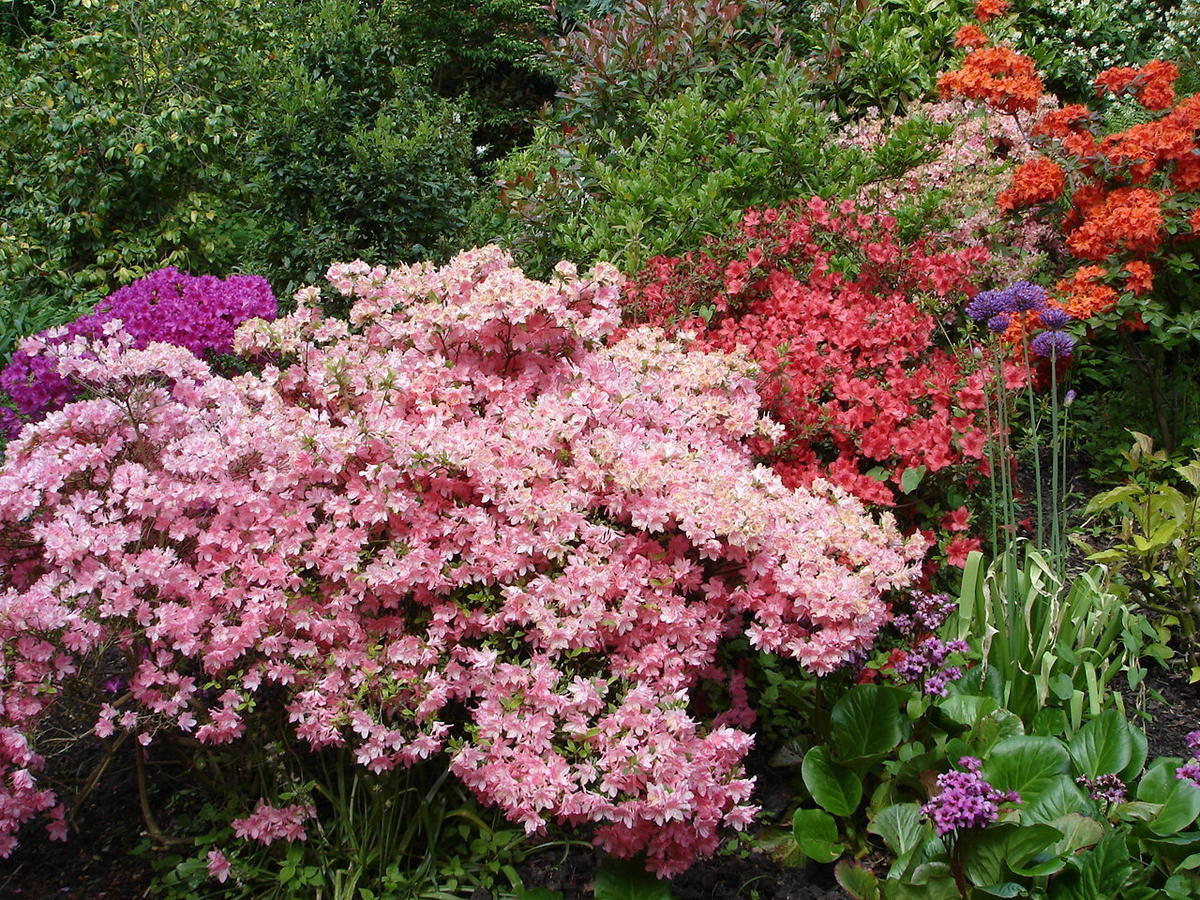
(965, 800)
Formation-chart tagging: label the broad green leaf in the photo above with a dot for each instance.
(866, 721)
(967, 709)
(1102, 746)
(836, 788)
(911, 479)
(816, 835)
(1026, 764)
(1180, 799)
(856, 881)
(990, 850)
(627, 880)
(900, 826)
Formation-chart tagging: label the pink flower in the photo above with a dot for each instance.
(218, 866)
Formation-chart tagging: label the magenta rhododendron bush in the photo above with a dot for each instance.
(460, 522)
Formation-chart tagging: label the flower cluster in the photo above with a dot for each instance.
(268, 824)
(999, 76)
(965, 800)
(1190, 770)
(1122, 200)
(1019, 311)
(460, 522)
(1106, 789)
(825, 299)
(924, 664)
(199, 313)
(927, 613)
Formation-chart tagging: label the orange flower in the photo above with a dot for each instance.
(1157, 79)
(1186, 176)
(1115, 80)
(999, 76)
(1037, 180)
(1061, 123)
(1194, 221)
(986, 10)
(1082, 294)
(970, 36)
(1139, 277)
(1129, 219)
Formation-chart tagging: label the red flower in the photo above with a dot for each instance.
(957, 550)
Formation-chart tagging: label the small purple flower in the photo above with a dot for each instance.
(1069, 397)
(1055, 318)
(1023, 295)
(1053, 343)
(929, 613)
(1190, 770)
(113, 685)
(999, 323)
(925, 664)
(965, 799)
(1108, 789)
(10, 423)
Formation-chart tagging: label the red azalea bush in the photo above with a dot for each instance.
(829, 303)
(458, 523)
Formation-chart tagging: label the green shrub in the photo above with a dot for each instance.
(352, 155)
(698, 164)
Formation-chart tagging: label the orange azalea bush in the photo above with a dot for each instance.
(1127, 201)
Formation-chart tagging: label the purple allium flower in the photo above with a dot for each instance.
(1108, 789)
(999, 323)
(925, 664)
(1053, 317)
(985, 305)
(965, 800)
(929, 613)
(1023, 295)
(1053, 343)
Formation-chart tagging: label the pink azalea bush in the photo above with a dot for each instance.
(458, 523)
(966, 169)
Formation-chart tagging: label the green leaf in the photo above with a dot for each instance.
(993, 728)
(967, 709)
(1026, 764)
(618, 879)
(1078, 831)
(1102, 746)
(1100, 873)
(816, 834)
(1180, 799)
(835, 788)
(911, 479)
(990, 850)
(900, 826)
(866, 722)
(856, 881)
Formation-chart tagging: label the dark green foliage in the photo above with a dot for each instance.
(489, 52)
(879, 54)
(353, 156)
